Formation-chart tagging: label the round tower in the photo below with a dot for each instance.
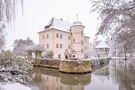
(77, 34)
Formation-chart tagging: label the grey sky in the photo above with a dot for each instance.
(37, 14)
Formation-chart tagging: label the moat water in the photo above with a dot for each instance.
(113, 76)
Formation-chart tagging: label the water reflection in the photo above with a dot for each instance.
(110, 77)
(52, 79)
(124, 76)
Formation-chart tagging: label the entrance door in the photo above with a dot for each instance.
(66, 57)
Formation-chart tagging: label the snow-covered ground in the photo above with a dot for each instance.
(13, 86)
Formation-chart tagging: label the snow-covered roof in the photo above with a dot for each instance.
(58, 24)
(102, 44)
(100, 38)
(35, 48)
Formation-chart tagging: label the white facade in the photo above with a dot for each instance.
(64, 39)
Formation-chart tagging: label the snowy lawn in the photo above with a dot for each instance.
(13, 86)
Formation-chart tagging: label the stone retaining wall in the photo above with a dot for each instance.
(66, 66)
(48, 63)
(70, 66)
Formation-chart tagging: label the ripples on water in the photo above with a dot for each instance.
(109, 77)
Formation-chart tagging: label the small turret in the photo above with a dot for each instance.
(77, 30)
(77, 23)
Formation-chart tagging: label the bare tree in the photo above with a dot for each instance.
(21, 45)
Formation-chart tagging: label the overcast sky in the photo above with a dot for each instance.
(37, 14)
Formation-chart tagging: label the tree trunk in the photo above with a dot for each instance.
(125, 53)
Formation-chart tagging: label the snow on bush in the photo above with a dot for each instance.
(13, 68)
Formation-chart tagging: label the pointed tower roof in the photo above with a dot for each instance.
(77, 22)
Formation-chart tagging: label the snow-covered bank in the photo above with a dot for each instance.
(13, 86)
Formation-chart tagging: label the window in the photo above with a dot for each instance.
(73, 40)
(59, 56)
(82, 42)
(47, 36)
(47, 45)
(57, 35)
(68, 37)
(61, 36)
(81, 50)
(81, 33)
(68, 46)
(43, 37)
(57, 45)
(60, 45)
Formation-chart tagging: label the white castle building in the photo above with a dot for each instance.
(64, 39)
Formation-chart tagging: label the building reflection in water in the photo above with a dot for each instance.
(52, 79)
(110, 77)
